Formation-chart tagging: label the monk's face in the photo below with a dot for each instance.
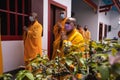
(69, 26)
(62, 14)
(32, 17)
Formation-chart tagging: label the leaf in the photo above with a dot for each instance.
(94, 44)
(29, 76)
(93, 64)
(21, 74)
(117, 45)
(114, 51)
(82, 61)
(68, 61)
(20, 77)
(8, 75)
(34, 64)
(5, 78)
(104, 71)
(99, 48)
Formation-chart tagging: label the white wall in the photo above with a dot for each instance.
(115, 27)
(103, 18)
(111, 18)
(12, 55)
(86, 16)
(13, 50)
(45, 24)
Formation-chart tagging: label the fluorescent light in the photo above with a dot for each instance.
(119, 19)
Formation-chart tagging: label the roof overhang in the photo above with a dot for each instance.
(91, 4)
(117, 4)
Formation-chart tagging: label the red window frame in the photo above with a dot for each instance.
(16, 14)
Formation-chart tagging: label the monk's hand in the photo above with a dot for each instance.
(63, 36)
(59, 25)
(25, 28)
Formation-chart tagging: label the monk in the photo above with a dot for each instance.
(32, 39)
(58, 28)
(87, 34)
(72, 35)
(80, 29)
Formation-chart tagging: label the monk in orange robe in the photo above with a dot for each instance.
(87, 35)
(72, 35)
(58, 28)
(80, 29)
(32, 39)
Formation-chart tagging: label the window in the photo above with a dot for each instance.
(14, 15)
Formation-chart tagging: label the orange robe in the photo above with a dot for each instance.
(33, 41)
(57, 37)
(76, 39)
(82, 32)
(1, 63)
(87, 36)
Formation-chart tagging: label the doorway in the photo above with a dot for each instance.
(100, 31)
(105, 31)
(53, 17)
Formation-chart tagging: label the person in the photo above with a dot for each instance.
(58, 28)
(87, 34)
(72, 35)
(80, 29)
(32, 39)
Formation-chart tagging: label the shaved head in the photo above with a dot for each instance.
(71, 19)
(62, 12)
(34, 14)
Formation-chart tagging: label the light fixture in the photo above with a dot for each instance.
(119, 22)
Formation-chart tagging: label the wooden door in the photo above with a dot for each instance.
(100, 31)
(105, 31)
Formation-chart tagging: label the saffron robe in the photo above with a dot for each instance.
(33, 41)
(57, 36)
(87, 36)
(82, 32)
(76, 39)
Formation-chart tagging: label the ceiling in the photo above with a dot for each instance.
(107, 2)
(108, 5)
